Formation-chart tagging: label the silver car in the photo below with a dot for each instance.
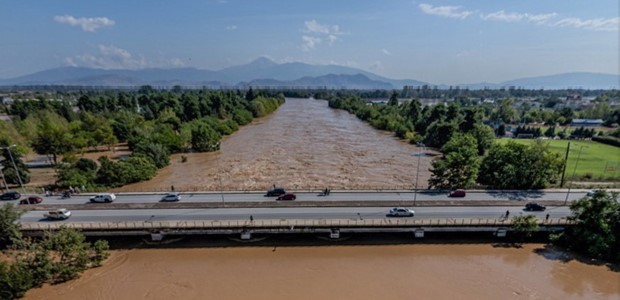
(171, 197)
(400, 212)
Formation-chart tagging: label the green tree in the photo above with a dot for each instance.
(524, 226)
(53, 136)
(157, 153)
(10, 161)
(485, 137)
(10, 229)
(596, 228)
(204, 138)
(393, 99)
(458, 168)
(439, 133)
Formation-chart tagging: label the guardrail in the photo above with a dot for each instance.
(281, 223)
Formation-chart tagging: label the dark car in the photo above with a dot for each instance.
(10, 196)
(457, 193)
(275, 192)
(535, 206)
(288, 196)
(31, 200)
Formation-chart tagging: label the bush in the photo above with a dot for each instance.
(609, 140)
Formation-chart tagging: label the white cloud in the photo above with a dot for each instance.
(599, 24)
(518, 17)
(309, 42)
(386, 51)
(231, 27)
(87, 24)
(315, 32)
(112, 57)
(455, 12)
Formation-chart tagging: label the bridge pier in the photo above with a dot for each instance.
(419, 233)
(246, 235)
(334, 234)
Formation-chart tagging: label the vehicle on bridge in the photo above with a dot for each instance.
(535, 206)
(103, 198)
(275, 192)
(400, 212)
(287, 196)
(457, 193)
(31, 200)
(10, 196)
(171, 197)
(59, 214)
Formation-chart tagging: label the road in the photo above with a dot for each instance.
(335, 196)
(288, 213)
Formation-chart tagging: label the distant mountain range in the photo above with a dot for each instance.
(263, 72)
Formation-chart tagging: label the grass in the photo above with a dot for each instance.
(597, 162)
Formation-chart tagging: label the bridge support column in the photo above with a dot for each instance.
(334, 234)
(246, 235)
(419, 233)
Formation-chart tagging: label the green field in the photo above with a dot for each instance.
(597, 162)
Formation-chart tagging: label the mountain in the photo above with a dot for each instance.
(265, 72)
(330, 81)
(568, 80)
(261, 69)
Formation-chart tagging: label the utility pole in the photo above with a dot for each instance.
(565, 163)
(417, 174)
(19, 178)
(6, 186)
(573, 177)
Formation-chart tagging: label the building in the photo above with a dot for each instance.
(586, 123)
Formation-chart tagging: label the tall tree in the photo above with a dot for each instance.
(458, 168)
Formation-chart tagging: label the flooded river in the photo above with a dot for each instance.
(423, 271)
(303, 145)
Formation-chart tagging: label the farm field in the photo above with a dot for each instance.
(597, 162)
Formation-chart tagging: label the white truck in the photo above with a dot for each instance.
(59, 214)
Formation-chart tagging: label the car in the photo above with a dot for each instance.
(287, 196)
(457, 193)
(535, 206)
(591, 193)
(31, 200)
(10, 196)
(400, 212)
(106, 198)
(59, 214)
(275, 192)
(174, 196)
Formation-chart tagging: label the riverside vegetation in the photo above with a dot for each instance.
(58, 257)
(153, 123)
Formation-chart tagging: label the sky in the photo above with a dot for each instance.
(441, 42)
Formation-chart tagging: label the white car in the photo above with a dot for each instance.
(103, 198)
(593, 192)
(171, 197)
(59, 214)
(400, 212)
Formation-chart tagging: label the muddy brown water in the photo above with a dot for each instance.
(303, 145)
(470, 271)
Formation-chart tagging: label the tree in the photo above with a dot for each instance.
(204, 138)
(9, 225)
(517, 166)
(53, 136)
(485, 137)
(157, 153)
(458, 168)
(596, 228)
(10, 161)
(524, 226)
(439, 133)
(505, 113)
(393, 99)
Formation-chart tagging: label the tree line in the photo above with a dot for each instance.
(470, 155)
(153, 123)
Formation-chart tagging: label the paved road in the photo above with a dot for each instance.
(335, 196)
(287, 213)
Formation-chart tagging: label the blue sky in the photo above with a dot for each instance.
(442, 42)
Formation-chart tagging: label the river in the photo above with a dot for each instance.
(417, 271)
(303, 145)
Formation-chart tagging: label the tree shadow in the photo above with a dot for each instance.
(557, 253)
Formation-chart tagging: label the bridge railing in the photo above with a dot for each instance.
(284, 223)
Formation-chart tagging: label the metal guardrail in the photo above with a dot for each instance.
(281, 223)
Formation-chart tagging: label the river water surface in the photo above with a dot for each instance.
(303, 145)
(454, 271)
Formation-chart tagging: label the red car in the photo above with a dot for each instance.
(287, 197)
(457, 193)
(31, 200)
